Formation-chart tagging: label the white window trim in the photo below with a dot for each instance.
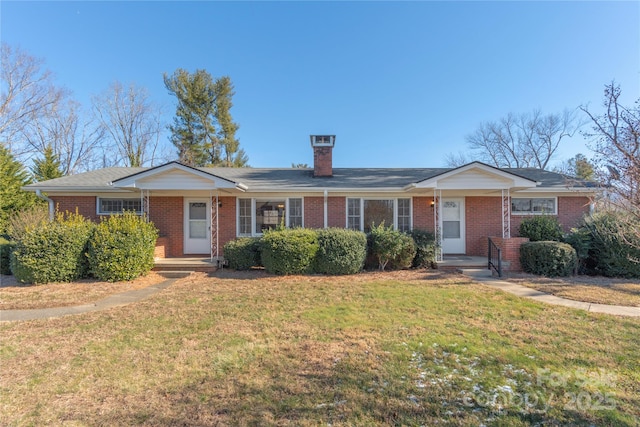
(555, 207)
(395, 210)
(254, 201)
(98, 212)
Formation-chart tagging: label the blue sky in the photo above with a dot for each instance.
(400, 83)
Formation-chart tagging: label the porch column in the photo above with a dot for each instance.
(506, 214)
(437, 223)
(144, 202)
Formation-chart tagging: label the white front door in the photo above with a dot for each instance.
(453, 238)
(197, 226)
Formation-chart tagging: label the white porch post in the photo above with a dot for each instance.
(437, 222)
(144, 202)
(506, 214)
(214, 250)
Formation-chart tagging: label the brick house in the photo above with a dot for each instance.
(198, 210)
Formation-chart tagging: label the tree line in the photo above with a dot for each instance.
(43, 126)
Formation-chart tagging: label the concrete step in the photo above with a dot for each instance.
(175, 274)
(476, 272)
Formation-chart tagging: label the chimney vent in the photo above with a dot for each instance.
(322, 154)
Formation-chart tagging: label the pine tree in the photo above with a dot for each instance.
(203, 130)
(13, 177)
(48, 167)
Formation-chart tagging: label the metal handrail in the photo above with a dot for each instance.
(494, 258)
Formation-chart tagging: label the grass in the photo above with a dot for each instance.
(597, 290)
(16, 296)
(412, 348)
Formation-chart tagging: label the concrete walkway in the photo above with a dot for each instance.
(523, 291)
(111, 301)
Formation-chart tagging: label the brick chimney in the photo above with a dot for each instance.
(322, 155)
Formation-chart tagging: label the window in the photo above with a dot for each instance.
(404, 215)
(353, 214)
(244, 216)
(108, 206)
(257, 215)
(295, 213)
(362, 214)
(533, 206)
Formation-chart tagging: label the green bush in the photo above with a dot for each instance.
(6, 247)
(613, 245)
(122, 247)
(340, 251)
(425, 248)
(289, 251)
(390, 247)
(547, 258)
(243, 253)
(541, 228)
(53, 251)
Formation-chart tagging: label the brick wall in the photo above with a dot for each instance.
(167, 214)
(570, 211)
(423, 213)
(483, 218)
(86, 205)
(226, 221)
(337, 211)
(314, 212)
(510, 251)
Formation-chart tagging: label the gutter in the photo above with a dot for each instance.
(48, 200)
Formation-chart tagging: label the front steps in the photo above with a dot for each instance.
(176, 266)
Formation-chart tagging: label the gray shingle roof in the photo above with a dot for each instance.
(260, 179)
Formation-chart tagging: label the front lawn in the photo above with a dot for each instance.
(408, 348)
(593, 289)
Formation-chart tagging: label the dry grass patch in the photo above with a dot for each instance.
(600, 290)
(15, 296)
(372, 349)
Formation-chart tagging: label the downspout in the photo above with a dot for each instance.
(52, 208)
(326, 208)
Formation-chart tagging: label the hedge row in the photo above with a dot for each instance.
(606, 243)
(6, 247)
(331, 251)
(71, 247)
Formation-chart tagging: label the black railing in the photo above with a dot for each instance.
(495, 258)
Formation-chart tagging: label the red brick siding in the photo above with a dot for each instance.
(483, 218)
(226, 221)
(314, 212)
(86, 205)
(423, 213)
(571, 210)
(510, 251)
(337, 212)
(167, 214)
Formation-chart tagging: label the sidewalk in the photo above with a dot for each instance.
(523, 291)
(111, 301)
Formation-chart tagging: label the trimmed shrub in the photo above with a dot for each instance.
(550, 259)
(289, 251)
(425, 248)
(243, 253)
(53, 251)
(340, 251)
(541, 228)
(122, 247)
(613, 247)
(391, 248)
(6, 247)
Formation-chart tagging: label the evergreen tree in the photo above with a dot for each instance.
(203, 130)
(48, 167)
(13, 177)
